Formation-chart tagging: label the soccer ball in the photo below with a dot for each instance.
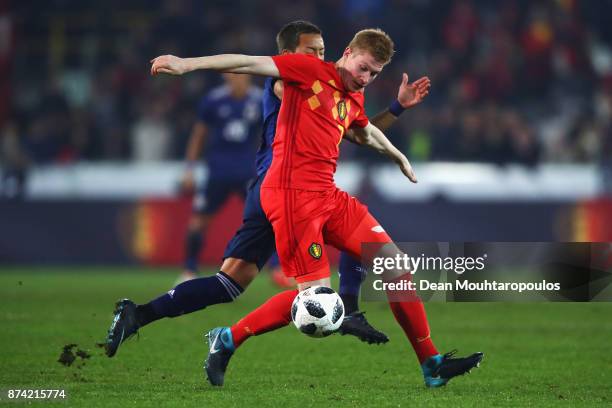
(317, 311)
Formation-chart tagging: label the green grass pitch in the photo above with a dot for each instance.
(554, 354)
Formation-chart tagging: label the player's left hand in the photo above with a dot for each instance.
(407, 169)
(410, 94)
(168, 64)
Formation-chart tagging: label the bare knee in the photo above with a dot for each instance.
(400, 268)
(241, 271)
(197, 222)
(319, 282)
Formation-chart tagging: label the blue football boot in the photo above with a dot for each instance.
(439, 369)
(220, 350)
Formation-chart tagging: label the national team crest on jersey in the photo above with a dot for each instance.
(315, 250)
(341, 106)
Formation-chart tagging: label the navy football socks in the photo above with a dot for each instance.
(193, 246)
(352, 275)
(188, 297)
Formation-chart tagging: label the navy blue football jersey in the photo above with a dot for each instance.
(270, 106)
(234, 126)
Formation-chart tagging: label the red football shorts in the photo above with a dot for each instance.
(304, 221)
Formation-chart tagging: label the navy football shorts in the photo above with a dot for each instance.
(215, 193)
(254, 241)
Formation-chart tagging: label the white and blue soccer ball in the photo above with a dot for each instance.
(317, 311)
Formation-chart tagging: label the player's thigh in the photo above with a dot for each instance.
(297, 219)
(352, 225)
(254, 240)
(365, 239)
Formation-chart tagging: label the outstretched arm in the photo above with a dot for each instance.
(373, 137)
(408, 96)
(236, 63)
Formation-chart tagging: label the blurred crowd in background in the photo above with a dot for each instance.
(512, 80)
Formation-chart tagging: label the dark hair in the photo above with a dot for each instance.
(288, 37)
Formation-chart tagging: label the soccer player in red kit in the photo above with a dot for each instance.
(321, 101)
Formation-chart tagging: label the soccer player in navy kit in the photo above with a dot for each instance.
(253, 244)
(229, 121)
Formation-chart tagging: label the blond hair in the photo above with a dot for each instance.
(376, 42)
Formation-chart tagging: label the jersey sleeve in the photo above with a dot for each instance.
(298, 68)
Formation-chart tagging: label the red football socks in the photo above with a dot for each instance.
(410, 313)
(272, 315)
(411, 316)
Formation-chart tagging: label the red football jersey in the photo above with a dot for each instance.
(315, 113)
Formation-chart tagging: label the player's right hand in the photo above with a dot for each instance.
(168, 64)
